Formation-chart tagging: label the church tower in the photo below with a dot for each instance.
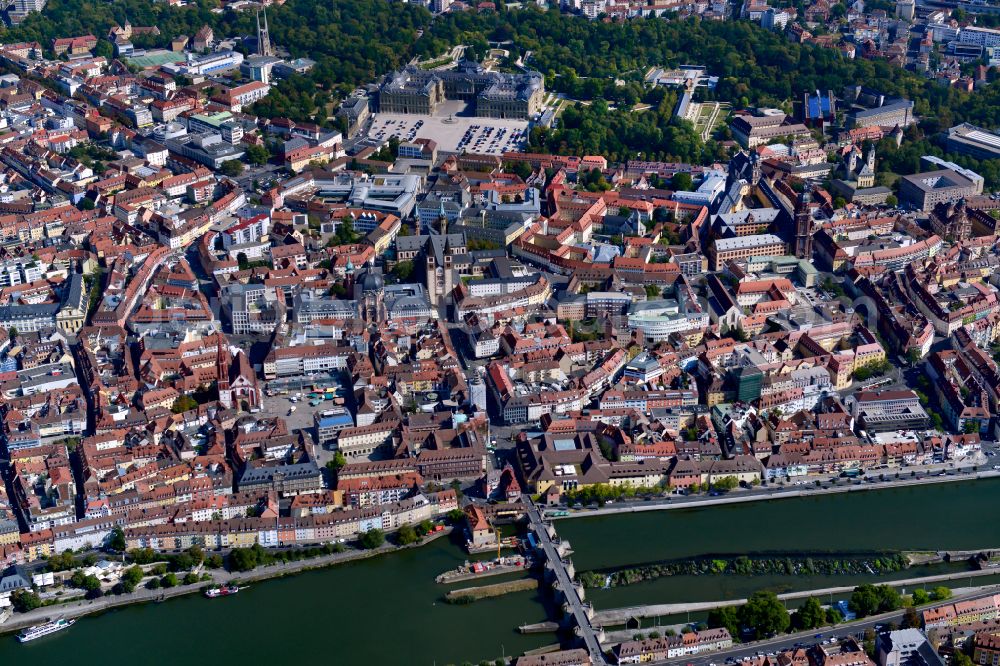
(431, 275)
(263, 37)
(803, 227)
(222, 374)
(755, 168)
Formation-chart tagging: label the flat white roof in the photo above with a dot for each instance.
(745, 242)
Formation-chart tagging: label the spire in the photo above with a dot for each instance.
(263, 36)
(221, 365)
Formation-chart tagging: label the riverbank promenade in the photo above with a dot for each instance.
(617, 616)
(74, 609)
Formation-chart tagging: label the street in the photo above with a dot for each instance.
(806, 638)
(932, 474)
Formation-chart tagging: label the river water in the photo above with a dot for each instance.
(947, 516)
(389, 610)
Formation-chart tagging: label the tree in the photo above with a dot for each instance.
(403, 270)
(143, 555)
(764, 615)
(91, 583)
(372, 539)
(184, 403)
(891, 200)
(864, 600)
(839, 202)
(25, 600)
(920, 597)
(183, 561)
(725, 484)
(959, 658)
(870, 599)
(810, 615)
(345, 232)
(133, 575)
(681, 181)
(76, 580)
(337, 463)
(940, 593)
(521, 168)
(242, 559)
(911, 619)
(737, 333)
(727, 618)
(170, 580)
(257, 155)
(231, 168)
(889, 599)
(407, 535)
(116, 541)
(153, 584)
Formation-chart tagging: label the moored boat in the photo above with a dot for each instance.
(40, 630)
(221, 591)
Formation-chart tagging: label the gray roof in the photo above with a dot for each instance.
(266, 475)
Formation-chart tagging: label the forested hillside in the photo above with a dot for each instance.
(355, 41)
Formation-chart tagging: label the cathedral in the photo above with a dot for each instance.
(369, 294)
(950, 220)
(854, 179)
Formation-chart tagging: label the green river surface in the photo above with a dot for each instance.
(389, 610)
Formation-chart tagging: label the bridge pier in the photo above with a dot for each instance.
(559, 571)
(549, 572)
(570, 569)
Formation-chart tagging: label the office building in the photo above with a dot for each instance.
(967, 139)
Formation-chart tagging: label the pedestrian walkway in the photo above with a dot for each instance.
(565, 583)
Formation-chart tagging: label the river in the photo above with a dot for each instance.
(389, 610)
(947, 516)
(385, 610)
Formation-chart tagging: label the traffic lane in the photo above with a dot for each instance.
(805, 639)
(937, 470)
(856, 628)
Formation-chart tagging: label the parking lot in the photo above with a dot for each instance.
(453, 133)
(299, 419)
